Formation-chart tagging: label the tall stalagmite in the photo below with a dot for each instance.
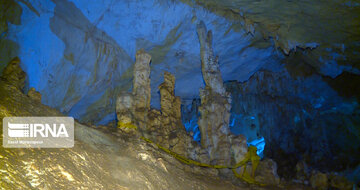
(141, 88)
(172, 127)
(215, 103)
(132, 108)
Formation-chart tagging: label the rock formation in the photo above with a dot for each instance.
(35, 95)
(165, 127)
(133, 109)
(141, 89)
(215, 104)
(124, 111)
(98, 160)
(170, 104)
(319, 181)
(141, 81)
(171, 114)
(14, 75)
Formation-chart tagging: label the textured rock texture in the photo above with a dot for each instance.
(306, 107)
(238, 148)
(215, 104)
(163, 127)
(125, 112)
(14, 75)
(100, 159)
(171, 115)
(319, 181)
(301, 118)
(132, 108)
(141, 81)
(93, 46)
(326, 28)
(141, 89)
(10, 13)
(266, 172)
(32, 93)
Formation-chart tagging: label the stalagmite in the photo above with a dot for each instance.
(215, 104)
(124, 112)
(141, 89)
(172, 127)
(134, 113)
(170, 104)
(141, 82)
(132, 108)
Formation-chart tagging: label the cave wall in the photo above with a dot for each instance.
(292, 66)
(93, 45)
(301, 119)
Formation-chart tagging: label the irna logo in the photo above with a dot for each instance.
(38, 132)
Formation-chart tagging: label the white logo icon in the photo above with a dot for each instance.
(36, 130)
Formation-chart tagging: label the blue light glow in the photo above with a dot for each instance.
(259, 144)
(192, 126)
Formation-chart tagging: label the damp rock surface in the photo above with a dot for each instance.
(100, 159)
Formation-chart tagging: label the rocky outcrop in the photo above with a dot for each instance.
(266, 172)
(99, 159)
(171, 115)
(124, 112)
(141, 89)
(319, 181)
(299, 118)
(133, 109)
(165, 127)
(141, 81)
(215, 104)
(238, 148)
(14, 75)
(170, 104)
(35, 95)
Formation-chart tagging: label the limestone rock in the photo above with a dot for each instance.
(170, 105)
(124, 113)
(266, 172)
(13, 74)
(319, 180)
(141, 81)
(32, 93)
(215, 104)
(171, 129)
(123, 109)
(195, 152)
(340, 182)
(302, 171)
(238, 148)
(132, 108)
(98, 160)
(209, 64)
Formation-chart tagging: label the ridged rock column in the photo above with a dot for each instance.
(171, 115)
(215, 104)
(132, 108)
